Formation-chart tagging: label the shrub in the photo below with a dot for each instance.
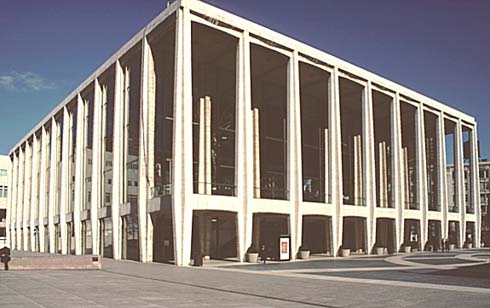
(252, 249)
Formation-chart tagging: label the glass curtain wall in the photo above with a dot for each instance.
(432, 160)
(314, 131)
(449, 128)
(467, 135)
(382, 107)
(269, 72)
(214, 58)
(408, 116)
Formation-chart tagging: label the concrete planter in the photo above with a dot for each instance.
(345, 252)
(407, 249)
(380, 250)
(252, 257)
(304, 254)
(452, 247)
(469, 245)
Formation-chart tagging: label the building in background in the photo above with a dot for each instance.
(207, 134)
(484, 172)
(4, 192)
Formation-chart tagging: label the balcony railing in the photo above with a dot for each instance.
(222, 189)
(161, 190)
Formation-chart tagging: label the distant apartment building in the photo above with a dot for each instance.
(4, 188)
(484, 172)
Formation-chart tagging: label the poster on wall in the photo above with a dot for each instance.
(284, 248)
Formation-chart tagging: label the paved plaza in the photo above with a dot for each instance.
(455, 279)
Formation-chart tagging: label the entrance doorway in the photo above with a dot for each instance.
(267, 228)
(453, 233)
(214, 235)
(163, 236)
(412, 234)
(434, 236)
(317, 234)
(385, 234)
(354, 234)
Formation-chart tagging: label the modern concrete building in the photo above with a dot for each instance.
(206, 134)
(484, 166)
(4, 189)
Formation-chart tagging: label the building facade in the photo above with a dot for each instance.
(4, 190)
(206, 134)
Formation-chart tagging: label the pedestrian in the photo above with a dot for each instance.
(443, 248)
(262, 253)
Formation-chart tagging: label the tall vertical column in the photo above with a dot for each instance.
(382, 175)
(441, 173)
(34, 190)
(256, 151)
(421, 174)
(42, 188)
(20, 198)
(52, 186)
(120, 89)
(121, 98)
(243, 147)
(13, 201)
(369, 179)
(182, 141)
(201, 185)
(27, 195)
(327, 166)
(335, 176)
(294, 168)
(146, 150)
(79, 167)
(8, 217)
(65, 181)
(399, 162)
(459, 175)
(95, 195)
(207, 141)
(475, 185)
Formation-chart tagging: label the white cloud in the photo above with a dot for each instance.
(25, 81)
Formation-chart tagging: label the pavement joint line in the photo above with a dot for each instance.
(420, 285)
(346, 269)
(23, 296)
(71, 294)
(224, 290)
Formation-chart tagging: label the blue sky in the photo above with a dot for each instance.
(440, 48)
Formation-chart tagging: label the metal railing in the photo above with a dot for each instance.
(222, 189)
(161, 190)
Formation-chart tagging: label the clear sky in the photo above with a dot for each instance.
(440, 48)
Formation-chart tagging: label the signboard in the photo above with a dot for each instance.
(284, 248)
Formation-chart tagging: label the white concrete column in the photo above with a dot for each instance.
(398, 161)
(294, 167)
(52, 186)
(118, 149)
(8, 217)
(20, 198)
(79, 176)
(42, 188)
(475, 185)
(441, 173)
(182, 142)
(65, 181)
(13, 201)
(34, 190)
(95, 195)
(146, 150)
(201, 176)
(27, 195)
(421, 174)
(335, 176)
(369, 179)
(459, 175)
(244, 164)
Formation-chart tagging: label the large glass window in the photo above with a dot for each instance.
(382, 107)
(131, 65)
(47, 163)
(449, 128)
(72, 113)
(467, 135)
(314, 133)
(408, 115)
(59, 159)
(269, 70)
(431, 160)
(107, 83)
(162, 43)
(214, 61)
(88, 126)
(352, 143)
